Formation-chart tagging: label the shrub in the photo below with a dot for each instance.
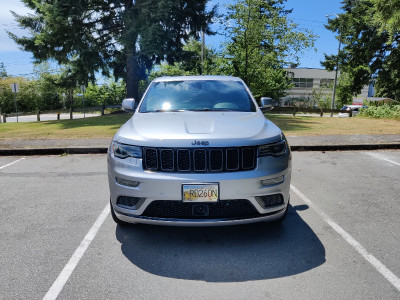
(384, 111)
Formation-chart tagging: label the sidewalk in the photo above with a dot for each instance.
(297, 143)
(51, 117)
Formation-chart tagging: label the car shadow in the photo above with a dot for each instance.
(224, 254)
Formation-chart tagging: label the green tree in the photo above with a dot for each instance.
(28, 98)
(109, 93)
(3, 72)
(123, 37)
(387, 16)
(369, 50)
(262, 41)
(45, 84)
(192, 59)
(191, 63)
(344, 93)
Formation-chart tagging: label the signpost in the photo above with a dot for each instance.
(15, 90)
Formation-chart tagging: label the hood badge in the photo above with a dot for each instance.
(200, 143)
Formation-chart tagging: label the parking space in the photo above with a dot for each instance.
(48, 205)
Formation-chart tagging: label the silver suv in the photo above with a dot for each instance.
(198, 151)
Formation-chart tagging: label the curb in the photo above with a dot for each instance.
(103, 150)
(52, 151)
(357, 147)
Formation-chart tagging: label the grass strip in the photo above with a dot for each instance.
(106, 126)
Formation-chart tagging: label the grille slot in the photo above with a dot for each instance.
(151, 159)
(200, 157)
(184, 160)
(248, 155)
(199, 160)
(232, 159)
(167, 159)
(216, 160)
(235, 209)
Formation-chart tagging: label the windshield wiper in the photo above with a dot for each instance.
(170, 110)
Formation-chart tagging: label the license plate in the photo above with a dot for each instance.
(200, 192)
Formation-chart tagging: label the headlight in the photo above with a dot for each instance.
(275, 149)
(124, 151)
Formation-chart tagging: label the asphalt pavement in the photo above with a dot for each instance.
(340, 240)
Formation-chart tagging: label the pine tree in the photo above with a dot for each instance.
(122, 37)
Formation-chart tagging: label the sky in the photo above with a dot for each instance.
(309, 14)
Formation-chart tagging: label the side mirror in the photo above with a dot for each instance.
(128, 105)
(266, 104)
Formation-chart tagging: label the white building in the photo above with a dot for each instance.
(308, 81)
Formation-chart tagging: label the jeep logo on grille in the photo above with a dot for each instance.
(200, 143)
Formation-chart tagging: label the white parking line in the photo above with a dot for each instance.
(11, 163)
(382, 157)
(58, 285)
(381, 268)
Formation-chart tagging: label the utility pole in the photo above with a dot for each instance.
(202, 52)
(337, 63)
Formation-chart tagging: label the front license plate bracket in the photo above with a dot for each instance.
(207, 192)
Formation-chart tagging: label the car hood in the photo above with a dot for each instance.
(183, 129)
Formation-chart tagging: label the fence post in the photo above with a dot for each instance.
(38, 115)
(4, 118)
(58, 116)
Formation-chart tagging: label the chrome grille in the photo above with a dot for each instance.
(199, 160)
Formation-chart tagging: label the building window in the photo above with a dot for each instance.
(326, 83)
(302, 82)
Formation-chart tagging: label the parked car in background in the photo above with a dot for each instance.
(198, 151)
(350, 110)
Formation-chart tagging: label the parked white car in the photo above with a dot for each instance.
(350, 110)
(198, 151)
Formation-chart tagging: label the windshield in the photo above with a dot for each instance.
(197, 95)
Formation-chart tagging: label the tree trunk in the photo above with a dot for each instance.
(71, 100)
(132, 77)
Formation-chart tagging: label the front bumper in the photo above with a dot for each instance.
(155, 186)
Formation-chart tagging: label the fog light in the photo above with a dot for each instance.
(273, 181)
(127, 182)
(268, 201)
(130, 202)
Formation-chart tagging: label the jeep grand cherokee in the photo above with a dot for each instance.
(198, 151)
